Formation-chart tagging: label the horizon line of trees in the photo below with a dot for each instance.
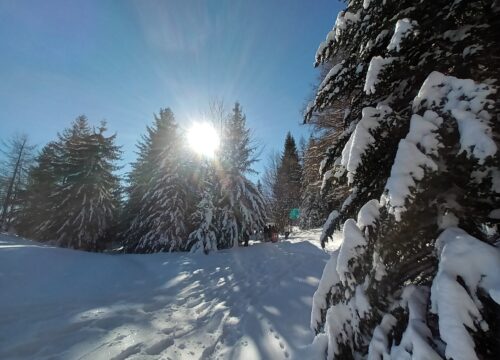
(69, 193)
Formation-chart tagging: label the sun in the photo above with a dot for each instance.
(203, 139)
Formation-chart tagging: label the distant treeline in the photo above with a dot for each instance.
(69, 193)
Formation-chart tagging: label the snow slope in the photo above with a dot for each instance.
(245, 303)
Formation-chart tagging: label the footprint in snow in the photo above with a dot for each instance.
(181, 301)
(194, 301)
(159, 347)
(129, 351)
(167, 330)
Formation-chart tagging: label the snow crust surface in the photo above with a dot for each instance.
(244, 303)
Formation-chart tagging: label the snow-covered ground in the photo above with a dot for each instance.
(245, 303)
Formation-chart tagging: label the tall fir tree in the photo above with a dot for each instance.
(238, 206)
(149, 148)
(287, 186)
(159, 175)
(313, 210)
(241, 205)
(416, 275)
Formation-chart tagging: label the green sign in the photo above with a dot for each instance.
(294, 214)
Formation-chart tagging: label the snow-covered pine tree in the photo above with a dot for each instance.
(241, 207)
(152, 143)
(287, 188)
(417, 274)
(84, 203)
(159, 175)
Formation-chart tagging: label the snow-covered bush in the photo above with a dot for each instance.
(419, 152)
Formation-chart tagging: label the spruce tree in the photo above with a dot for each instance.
(42, 182)
(241, 208)
(158, 192)
(72, 196)
(287, 188)
(416, 275)
(149, 148)
(83, 203)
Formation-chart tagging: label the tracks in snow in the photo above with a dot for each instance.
(223, 306)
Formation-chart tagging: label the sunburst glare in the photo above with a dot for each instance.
(203, 139)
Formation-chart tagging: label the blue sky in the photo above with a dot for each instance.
(124, 60)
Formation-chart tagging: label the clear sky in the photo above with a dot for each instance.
(124, 60)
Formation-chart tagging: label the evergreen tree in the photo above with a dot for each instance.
(205, 234)
(158, 190)
(287, 188)
(237, 154)
(87, 197)
(241, 208)
(82, 204)
(149, 148)
(42, 182)
(415, 274)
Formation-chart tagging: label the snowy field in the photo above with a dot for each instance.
(245, 303)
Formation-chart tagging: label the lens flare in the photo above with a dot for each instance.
(203, 139)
